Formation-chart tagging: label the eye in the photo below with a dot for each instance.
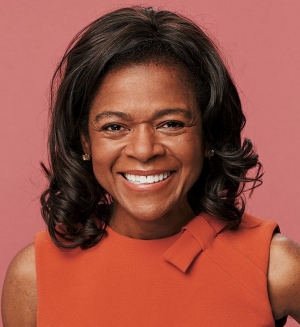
(172, 124)
(113, 128)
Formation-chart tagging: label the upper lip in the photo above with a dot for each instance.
(146, 172)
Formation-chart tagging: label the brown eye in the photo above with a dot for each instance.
(172, 125)
(113, 128)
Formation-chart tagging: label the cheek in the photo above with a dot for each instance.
(193, 158)
(103, 152)
(191, 150)
(194, 165)
(103, 157)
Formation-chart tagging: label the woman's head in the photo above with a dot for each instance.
(146, 147)
(134, 36)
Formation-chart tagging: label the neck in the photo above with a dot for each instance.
(135, 227)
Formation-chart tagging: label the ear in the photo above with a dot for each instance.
(208, 151)
(86, 144)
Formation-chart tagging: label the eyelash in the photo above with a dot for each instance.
(172, 122)
(110, 126)
(170, 125)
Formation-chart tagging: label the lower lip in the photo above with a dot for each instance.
(147, 187)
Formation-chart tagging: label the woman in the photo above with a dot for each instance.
(145, 204)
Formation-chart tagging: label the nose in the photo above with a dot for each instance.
(144, 144)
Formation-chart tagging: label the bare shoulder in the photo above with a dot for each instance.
(284, 277)
(19, 296)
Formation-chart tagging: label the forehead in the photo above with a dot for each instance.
(148, 84)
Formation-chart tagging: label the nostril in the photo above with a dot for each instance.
(144, 147)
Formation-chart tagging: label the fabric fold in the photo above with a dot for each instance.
(197, 235)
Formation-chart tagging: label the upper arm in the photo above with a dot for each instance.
(284, 277)
(19, 295)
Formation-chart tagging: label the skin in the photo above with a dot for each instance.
(143, 138)
(284, 277)
(140, 123)
(19, 295)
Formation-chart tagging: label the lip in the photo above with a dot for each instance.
(146, 172)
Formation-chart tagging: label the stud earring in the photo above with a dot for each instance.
(86, 157)
(211, 153)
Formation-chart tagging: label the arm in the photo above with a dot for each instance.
(284, 277)
(19, 296)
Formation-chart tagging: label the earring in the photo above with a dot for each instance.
(86, 157)
(211, 153)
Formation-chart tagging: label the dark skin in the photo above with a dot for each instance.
(19, 297)
(134, 135)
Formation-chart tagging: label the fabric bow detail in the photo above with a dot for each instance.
(197, 236)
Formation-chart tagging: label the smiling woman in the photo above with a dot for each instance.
(145, 206)
(136, 137)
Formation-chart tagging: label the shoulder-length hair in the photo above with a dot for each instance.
(74, 205)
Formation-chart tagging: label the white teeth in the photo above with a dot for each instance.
(150, 179)
(138, 179)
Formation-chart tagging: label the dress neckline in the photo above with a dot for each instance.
(124, 238)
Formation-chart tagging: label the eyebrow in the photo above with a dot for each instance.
(171, 111)
(109, 114)
(158, 114)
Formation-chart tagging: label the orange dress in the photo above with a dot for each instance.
(204, 276)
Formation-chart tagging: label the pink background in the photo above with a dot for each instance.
(260, 41)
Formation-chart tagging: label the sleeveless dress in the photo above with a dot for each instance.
(206, 275)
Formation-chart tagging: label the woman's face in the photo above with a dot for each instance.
(145, 142)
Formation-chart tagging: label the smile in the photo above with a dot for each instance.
(150, 179)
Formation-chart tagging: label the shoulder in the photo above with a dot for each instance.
(284, 277)
(252, 222)
(19, 296)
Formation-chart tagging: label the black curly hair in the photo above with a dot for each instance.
(74, 206)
